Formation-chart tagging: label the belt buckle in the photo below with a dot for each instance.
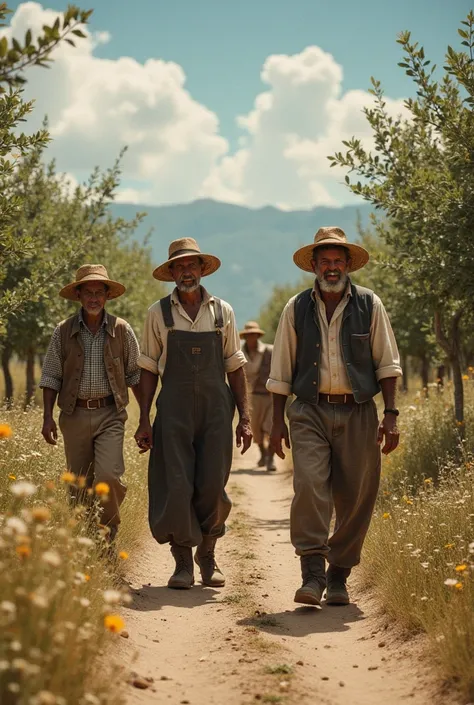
(93, 407)
(337, 395)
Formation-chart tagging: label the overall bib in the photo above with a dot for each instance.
(192, 450)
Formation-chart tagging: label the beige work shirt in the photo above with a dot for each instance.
(333, 377)
(254, 361)
(155, 333)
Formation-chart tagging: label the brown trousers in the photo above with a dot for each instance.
(93, 442)
(336, 466)
(261, 416)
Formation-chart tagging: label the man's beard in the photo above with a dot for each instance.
(188, 288)
(332, 287)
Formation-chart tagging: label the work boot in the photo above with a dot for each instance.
(211, 575)
(314, 580)
(183, 576)
(263, 456)
(336, 593)
(271, 462)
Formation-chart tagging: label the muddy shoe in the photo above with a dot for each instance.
(211, 574)
(314, 580)
(183, 576)
(336, 593)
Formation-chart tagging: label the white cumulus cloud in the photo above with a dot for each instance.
(176, 153)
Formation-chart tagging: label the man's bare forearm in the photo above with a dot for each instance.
(49, 399)
(389, 391)
(279, 404)
(238, 385)
(146, 392)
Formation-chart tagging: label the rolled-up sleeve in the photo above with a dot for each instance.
(284, 353)
(384, 346)
(234, 358)
(151, 346)
(132, 373)
(52, 371)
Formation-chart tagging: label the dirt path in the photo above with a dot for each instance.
(249, 642)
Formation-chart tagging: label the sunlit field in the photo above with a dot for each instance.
(61, 590)
(419, 555)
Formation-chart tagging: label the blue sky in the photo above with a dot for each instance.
(222, 45)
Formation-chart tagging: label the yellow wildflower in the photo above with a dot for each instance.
(386, 515)
(12, 477)
(461, 568)
(40, 514)
(87, 578)
(114, 623)
(5, 430)
(449, 545)
(428, 481)
(471, 369)
(407, 500)
(68, 477)
(123, 555)
(459, 586)
(102, 489)
(23, 550)
(465, 377)
(81, 481)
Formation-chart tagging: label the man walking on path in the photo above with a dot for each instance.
(91, 360)
(334, 350)
(257, 370)
(191, 342)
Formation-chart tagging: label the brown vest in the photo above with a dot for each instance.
(72, 352)
(259, 386)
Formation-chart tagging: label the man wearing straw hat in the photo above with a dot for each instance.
(91, 361)
(191, 342)
(334, 350)
(257, 370)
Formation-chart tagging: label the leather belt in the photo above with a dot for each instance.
(337, 398)
(96, 403)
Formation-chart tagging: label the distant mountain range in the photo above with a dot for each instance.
(256, 246)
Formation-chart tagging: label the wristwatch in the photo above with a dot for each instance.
(395, 412)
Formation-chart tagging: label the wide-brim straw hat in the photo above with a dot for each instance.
(326, 237)
(92, 273)
(250, 328)
(179, 249)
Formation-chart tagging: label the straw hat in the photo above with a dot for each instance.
(326, 237)
(251, 327)
(185, 247)
(92, 273)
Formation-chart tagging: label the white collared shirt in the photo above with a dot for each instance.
(155, 333)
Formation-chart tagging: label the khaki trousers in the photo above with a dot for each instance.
(336, 465)
(93, 442)
(261, 416)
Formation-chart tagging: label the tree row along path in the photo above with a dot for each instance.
(249, 642)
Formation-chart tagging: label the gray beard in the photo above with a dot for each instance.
(332, 287)
(188, 288)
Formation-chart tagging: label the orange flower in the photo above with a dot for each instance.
(68, 477)
(87, 578)
(123, 555)
(459, 586)
(114, 623)
(386, 515)
(23, 550)
(102, 489)
(461, 568)
(41, 514)
(5, 430)
(12, 477)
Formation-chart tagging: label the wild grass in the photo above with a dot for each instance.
(60, 595)
(419, 554)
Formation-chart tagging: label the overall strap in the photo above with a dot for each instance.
(167, 312)
(218, 313)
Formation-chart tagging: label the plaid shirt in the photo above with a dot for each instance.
(94, 382)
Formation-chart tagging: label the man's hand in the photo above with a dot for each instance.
(243, 434)
(144, 436)
(279, 433)
(388, 429)
(50, 431)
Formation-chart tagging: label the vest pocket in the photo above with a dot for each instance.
(360, 346)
